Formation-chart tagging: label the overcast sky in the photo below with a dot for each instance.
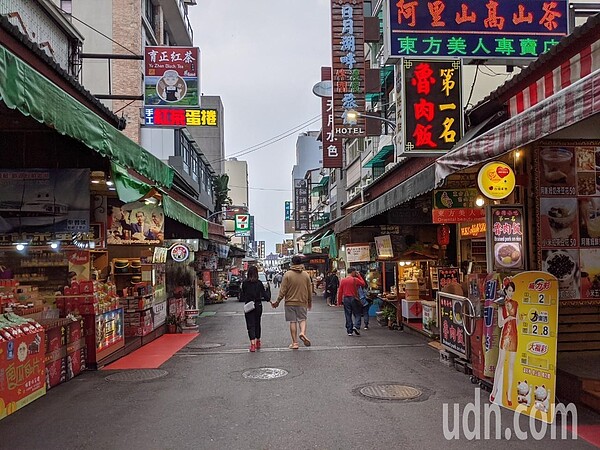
(263, 58)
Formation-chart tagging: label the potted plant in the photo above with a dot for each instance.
(172, 323)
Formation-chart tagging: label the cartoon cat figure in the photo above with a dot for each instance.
(523, 393)
(542, 398)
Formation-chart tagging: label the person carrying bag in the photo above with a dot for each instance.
(252, 293)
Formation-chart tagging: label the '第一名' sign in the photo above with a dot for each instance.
(432, 105)
(491, 29)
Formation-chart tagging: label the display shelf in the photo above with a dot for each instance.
(31, 279)
(29, 265)
(133, 297)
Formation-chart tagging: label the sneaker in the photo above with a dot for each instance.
(350, 334)
(356, 331)
(252, 347)
(258, 344)
(366, 327)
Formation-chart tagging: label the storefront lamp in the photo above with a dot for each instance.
(443, 235)
(479, 201)
(20, 247)
(54, 245)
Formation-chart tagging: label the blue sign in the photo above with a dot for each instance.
(476, 29)
(288, 210)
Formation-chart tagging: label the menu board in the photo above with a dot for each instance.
(568, 187)
(452, 333)
(507, 237)
(447, 275)
(525, 378)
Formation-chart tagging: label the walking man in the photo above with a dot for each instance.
(296, 288)
(348, 295)
(332, 283)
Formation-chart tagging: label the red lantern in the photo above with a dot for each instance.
(443, 235)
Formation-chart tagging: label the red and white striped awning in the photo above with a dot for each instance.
(579, 66)
(570, 105)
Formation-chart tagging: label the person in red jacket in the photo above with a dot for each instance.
(348, 296)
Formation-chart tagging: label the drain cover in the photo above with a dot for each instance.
(137, 375)
(266, 373)
(203, 346)
(390, 392)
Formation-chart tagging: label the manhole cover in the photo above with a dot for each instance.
(203, 346)
(390, 392)
(137, 375)
(266, 373)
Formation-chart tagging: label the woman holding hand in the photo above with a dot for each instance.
(253, 291)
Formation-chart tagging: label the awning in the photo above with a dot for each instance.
(308, 244)
(329, 241)
(184, 215)
(25, 89)
(129, 189)
(386, 148)
(322, 184)
(325, 238)
(570, 105)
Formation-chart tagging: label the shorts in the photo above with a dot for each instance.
(295, 313)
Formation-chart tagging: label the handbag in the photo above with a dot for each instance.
(362, 296)
(249, 307)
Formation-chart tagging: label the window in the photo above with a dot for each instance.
(149, 13)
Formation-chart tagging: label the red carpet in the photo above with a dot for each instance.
(154, 354)
(589, 433)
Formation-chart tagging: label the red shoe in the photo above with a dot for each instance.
(258, 344)
(252, 347)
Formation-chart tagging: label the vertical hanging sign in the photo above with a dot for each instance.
(332, 145)
(348, 62)
(301, 219)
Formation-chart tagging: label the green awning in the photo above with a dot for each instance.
(308, 244)
(380, 157)
(325, 239)
(331, 243)
(25, 89)
(129, 189)
(321, 185)
(184, 215)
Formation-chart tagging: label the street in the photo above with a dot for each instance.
(205, 401)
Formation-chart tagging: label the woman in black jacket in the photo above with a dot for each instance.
(253, 291)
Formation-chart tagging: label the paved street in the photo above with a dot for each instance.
(205, 402)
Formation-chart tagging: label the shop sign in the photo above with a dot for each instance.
(242, 224)
(473, 230)
(454, 198)
(317, 261)
(383, 244)
(447, 275)
(180, 253)
(45, 201)
(288, 210)
(348, 66)
(452, 333)
(432, 105)
(528, 345)
(159, 314)
(332, 145)
(507, 237)
(159, 256)
(491, 29)
(180, 117)
(301, 213)
(134, 223)
(22, 370)
(496, 180)
(358, 253)
(171, 76)
(457, 215)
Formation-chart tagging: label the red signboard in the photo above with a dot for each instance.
(332, 146)
(180, 117)
(457, 215)
(432, 105)
(348, 61)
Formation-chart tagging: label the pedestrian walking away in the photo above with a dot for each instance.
(365, 305)
(332, 283)
(348, 296)
(296, 289)
(253, 290)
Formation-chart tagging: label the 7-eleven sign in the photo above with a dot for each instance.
(242, 224)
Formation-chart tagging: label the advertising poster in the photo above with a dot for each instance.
(134, 223)
(109, 329)
(568, 183)
(452, 333)
(384, 246)
(358, 253)
(525, 378)
(508, 237)
(447, 275)
(79, 266)
(171, 76)
(45, 200)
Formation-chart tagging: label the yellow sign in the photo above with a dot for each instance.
(496, 180)
(474, 229)
(525, 378)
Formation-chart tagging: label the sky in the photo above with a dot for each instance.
(263, 57)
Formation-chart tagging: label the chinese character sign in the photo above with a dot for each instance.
(525, 376)
(301, 197)
(485, 29)
(348, 64)
(288, 210)
(452, 333)
(508, 237)
(171, 76)
(432, 105)
(180, 117)
(332, 145)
